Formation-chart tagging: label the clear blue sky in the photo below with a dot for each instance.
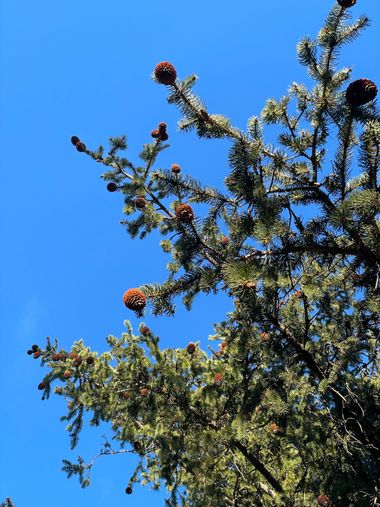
(83, 68)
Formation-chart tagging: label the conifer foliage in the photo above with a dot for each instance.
(286, 412)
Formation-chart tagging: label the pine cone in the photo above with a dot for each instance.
(140, 203)
(155, 133)
(218, 379)
(184, 213)
(165, 73)
(42, 386)
(35, 348)
(162, 127)
(134, 299)
(80, 146)
(275, 428)
(128, 490)
(56, 357)
(78, 362)
(137, 446)
(224, 241)
(144, 391)
(75, 140)
(175, 168)
(145, 331)
(111, 187)
(360, 92)
(163, 136)
(191, 348)
(67, 374)
(323, 501)
(90, 360)
(37, 354)
(346, 3)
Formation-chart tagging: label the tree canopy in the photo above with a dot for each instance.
(285, 410)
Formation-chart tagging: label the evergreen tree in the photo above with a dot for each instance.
(286, 412)
(7, 503)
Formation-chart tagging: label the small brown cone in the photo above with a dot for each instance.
(175, 168)
(134, 299)
(56, 357)
(155, 133)
(140, 203)
(165, 73)
(37, 354)
(191, 348)
(80, 146)
(164, 136)
(42, 386)
(67, 374)
(218, 379)
(35, 348)
(128, 490)
(323, 501)
(275, 428)
(137, 446)
(184, 213)
(75, 140)
(78, 362)
(162, 127)
(90, 360)
(111, 187)
(346, 3)
(144, 391)
(145, 331)
(360, 92)
(225, 241)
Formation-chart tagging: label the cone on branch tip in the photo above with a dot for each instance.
(323, 501)
(175, 168)
(37, 354)
(165, 73)
(224, 241)
(137, 446)
(360, 92)
(128, 490)
(218, 379)
(145, 331)
(346, 3)
(162, 127)
(140, 203)
(29, 352)
(90, 360)
(111, 187)
(184, 213)
(42, 386)
(80, 146)
(144, 391)
(191, 348)
(78, 362)
(56, 357)
(67, 374)
(155, 133)
(134, 299)
(75, 140)
(35, 348)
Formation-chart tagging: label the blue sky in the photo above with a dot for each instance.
(83, 68)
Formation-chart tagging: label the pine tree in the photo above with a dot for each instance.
(7, 503)
(286, 412)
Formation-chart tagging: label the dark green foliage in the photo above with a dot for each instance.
(287, 410)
